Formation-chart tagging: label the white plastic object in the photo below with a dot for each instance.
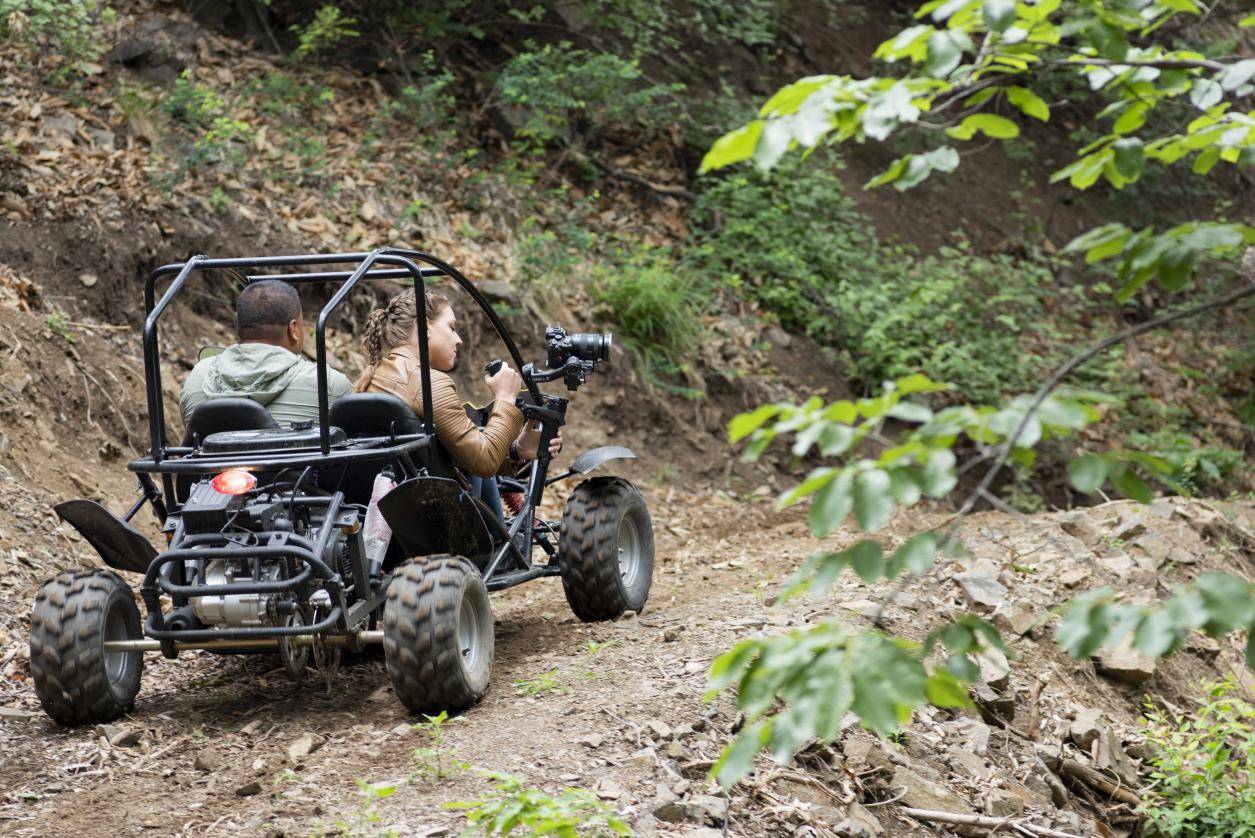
(375, 532)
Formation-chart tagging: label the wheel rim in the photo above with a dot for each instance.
(116, 663)
(629, 552)
(470, 632)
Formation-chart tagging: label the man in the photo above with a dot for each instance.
(266, 365)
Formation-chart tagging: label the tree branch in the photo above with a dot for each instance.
(1163, 64)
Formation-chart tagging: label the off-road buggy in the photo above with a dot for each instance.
(264, 526)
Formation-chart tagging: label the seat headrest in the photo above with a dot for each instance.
(227, 414)
(374, 414)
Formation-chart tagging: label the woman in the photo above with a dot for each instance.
(391, 343)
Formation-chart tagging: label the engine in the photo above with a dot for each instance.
(234, 610)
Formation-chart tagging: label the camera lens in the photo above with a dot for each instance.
(591, 347)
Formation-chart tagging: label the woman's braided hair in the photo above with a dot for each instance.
(391, 325)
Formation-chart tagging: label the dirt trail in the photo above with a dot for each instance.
(213, 745)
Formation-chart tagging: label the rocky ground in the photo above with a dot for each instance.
(228, 745)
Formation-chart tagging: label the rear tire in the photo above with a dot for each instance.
(437, 634)
(606, 549)
(77, 681)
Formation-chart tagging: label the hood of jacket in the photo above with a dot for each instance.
(257, 371)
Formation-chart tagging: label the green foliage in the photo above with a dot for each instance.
(516, 809)
(58, 323)
(1216, 604)
(365, 821)
(329, 28)
(72, 27)
(654, 303)
(987, 54)
(194, 104)
(566, 96)
(436, 762)
(1203, 768)
(545, 682)
(794, 241)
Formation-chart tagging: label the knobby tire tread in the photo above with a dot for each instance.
(420, 634)
(588, 549)
(67, 652)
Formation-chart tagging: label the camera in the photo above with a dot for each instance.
(594, 349)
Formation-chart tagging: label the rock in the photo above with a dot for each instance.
(971, 734)
(925, 794)
(1125, 664)
(259, 766)
(1001, 803)
(303, 747)
(61, 124)
(608, 789)
(1178, 556)
(592, 740)
(1119, 563)
(995, 669)
(1029, 797)
(858, 823)
(1085, 728)
(248, 789)
(207, 761)
(1078, 525)
(981, 589)
(119, 736)
(644, 758)
(15, 714)
(382, 694)
(659, 728)
(864, 607)
(664, 794)
(87, 279)
(699, 808)
(778, 336)
(251, 728)
(1155, 546)
(970, 765)
(678, 752)
(995, 705)
(102, 137)
(1074, 576)
(497, 291)
(1132, 524)
(1017, 619)
(670, 634)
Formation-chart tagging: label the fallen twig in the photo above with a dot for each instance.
(984, 821)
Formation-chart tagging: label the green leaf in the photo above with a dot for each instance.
(1129, 156)
(1131, 119)
(1132, 486)
(1084, 626)
(1228, 601)
(944, 54)
(868, 560)
(745, 424)
(737, 759)
(832, 504)
(1247, 22)
(944, 690)
(1029, 103)
(938, 474)
(873, 501)
(733, 147)
(998, 14)
(991, 125)
(1087, 473)
(916, 555)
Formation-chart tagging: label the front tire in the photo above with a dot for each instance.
(606, 549)
(437, 634)
(77, 681)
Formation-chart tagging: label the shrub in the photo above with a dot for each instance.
(799, 245)
(654, 303)
(194, 104)
(1203, 768)
(565, 95)
(329, 27)
(71, 25)
(513, 807)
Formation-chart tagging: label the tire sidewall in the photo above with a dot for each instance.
(125, 689)
(473, 590)
(633, 506)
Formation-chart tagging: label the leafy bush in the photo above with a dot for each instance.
(329, 27)
(1191, 466)
(73, 26)
(194, 104)
(799, 244)
(1203, 768)
(565, 95)
(533, 812)
(654, 303)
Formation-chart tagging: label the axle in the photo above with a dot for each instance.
(350, 640)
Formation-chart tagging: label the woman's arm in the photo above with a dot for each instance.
(480, 451)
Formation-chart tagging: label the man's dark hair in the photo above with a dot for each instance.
(264, 309)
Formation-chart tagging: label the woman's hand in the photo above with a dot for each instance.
(529, 441)
(505, 385)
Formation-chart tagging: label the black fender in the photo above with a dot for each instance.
(434, 515)
(121, 546)
(590, 460)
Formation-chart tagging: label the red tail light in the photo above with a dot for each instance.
(234, 482)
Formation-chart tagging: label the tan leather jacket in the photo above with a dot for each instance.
(482, 451)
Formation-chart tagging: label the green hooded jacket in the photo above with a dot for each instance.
(284, 383)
